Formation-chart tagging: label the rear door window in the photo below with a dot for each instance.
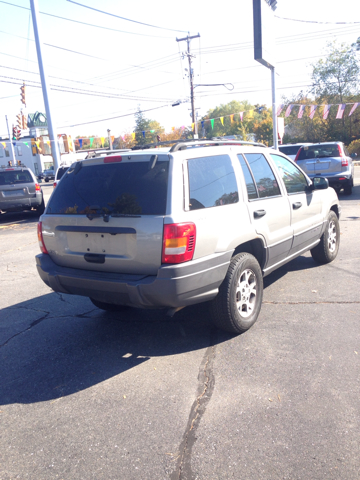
(266, 183)
(212, 182)
(125, 188)
(13, 177)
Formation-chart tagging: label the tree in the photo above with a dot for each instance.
(337, 75)
(145, 129)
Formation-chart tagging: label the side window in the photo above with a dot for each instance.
(212, 182)
(264, 177)
(250, 185)
(293, 177)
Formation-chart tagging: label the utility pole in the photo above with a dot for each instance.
(11, 143)
(45, 89)
(188, 38)
(109, 137)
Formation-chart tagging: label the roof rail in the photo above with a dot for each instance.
(181, 144)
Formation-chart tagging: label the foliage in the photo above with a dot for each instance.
(337, 75)
(146, 130)
(354, 147)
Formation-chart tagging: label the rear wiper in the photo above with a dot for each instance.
(91, 216)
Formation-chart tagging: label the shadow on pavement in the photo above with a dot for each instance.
(50, 355)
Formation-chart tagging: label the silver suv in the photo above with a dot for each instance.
(202, 221)
(19, 190)
(330, 160)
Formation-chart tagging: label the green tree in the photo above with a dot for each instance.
(145, 129)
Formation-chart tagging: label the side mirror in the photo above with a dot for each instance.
(320, 183)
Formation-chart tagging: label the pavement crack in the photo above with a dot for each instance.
(205, 390)
(33, 324)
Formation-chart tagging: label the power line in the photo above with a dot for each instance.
(87, 24)
(315, 21)
(113, 118)
(123, 18)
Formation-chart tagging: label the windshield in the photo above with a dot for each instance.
(126, 188)
(319, 151)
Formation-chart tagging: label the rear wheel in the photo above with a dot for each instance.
(327, 250)
(238, 303)
(108, 307)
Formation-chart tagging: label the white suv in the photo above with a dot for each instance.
(202, 221)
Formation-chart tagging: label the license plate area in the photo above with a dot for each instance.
(102, 243)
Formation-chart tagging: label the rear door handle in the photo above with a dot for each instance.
(297, 205)
(259, 213)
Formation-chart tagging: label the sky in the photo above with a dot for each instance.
(101, 68)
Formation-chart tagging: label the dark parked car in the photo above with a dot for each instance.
(19, 190)
(330, 160)
(48, 175)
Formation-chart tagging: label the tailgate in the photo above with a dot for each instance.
(121, 245)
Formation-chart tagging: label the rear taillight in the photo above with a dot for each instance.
(344, 160)
(178, 242)
(37, 187)
(54, 184)
(40, 238)
(297, 155)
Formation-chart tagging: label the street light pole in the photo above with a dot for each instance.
(45, 89)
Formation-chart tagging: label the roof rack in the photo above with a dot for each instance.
(181, 144)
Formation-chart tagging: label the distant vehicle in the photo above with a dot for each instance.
(59, 173)
(291, 150)
(19, 190)
(48, 175)
(330, 160)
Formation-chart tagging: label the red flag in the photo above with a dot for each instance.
(353, 108)
(280, 107)
(326, 111)
(312, 111)
(341, 110)
(301, 111)
(288, 110)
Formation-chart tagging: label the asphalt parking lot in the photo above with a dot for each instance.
(92, 395)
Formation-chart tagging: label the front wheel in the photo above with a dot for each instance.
(327, 250)
(238, 303)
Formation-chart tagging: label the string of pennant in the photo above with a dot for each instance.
(233, 116)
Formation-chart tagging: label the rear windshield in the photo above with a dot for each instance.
(14, 177)
(129, 188)
(289, 150)
(319, 151)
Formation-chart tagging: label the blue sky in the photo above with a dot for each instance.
(107, 74)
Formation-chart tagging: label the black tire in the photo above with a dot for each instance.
(108, 307)
(41, 208)
(327, 250)
(231, 312)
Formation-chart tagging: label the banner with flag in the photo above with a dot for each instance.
(326, 111)
(232, 118)
(341, 110)
(288, 110)
(301, 111)
(222, 120)
(353, 108)
(312, 111)
(212, 123)
(241, 115)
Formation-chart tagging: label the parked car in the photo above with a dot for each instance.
(59, 173)
(291, 150)
(330, 160)
(48, 175)
(202, 221)
(19, 190)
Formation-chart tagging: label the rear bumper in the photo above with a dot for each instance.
(174, 286)
(338, 180)
(18, 204)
